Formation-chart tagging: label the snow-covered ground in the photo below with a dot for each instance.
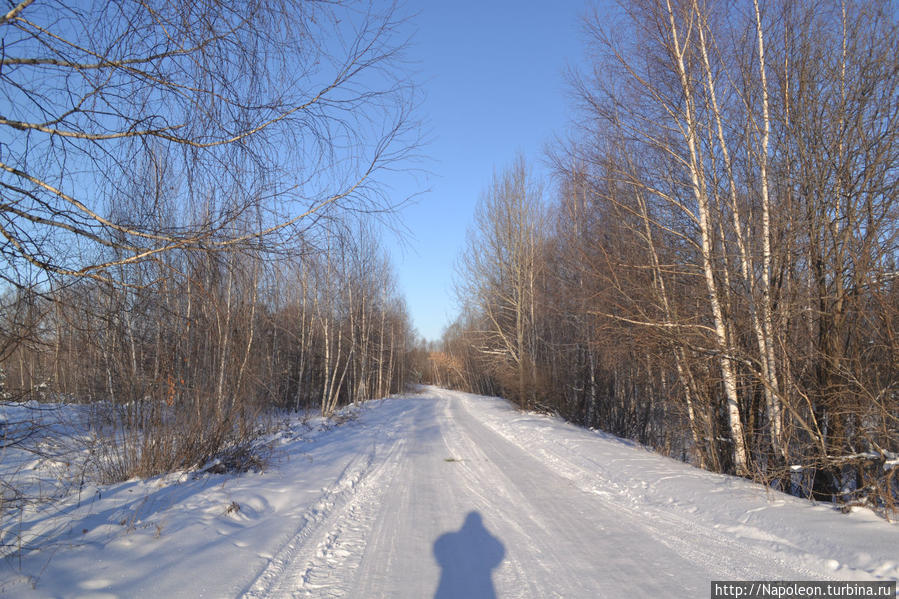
(438, 494)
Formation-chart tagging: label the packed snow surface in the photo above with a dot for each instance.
(438, 494)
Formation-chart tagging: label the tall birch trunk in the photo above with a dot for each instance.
(729, 380)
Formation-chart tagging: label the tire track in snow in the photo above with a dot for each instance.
(683, 533)
(333, 532)
(512, 495)
(332, 566)
(485, 481)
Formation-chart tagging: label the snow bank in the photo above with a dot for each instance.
(183, 535)
(851, 546)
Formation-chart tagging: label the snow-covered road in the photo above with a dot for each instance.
(445, 494)
(514, 523)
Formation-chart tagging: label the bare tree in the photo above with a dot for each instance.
(276, 111)
(499, 274)
(722, 254)
(169, 171)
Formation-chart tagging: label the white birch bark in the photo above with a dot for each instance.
(735, 422)
(775, 412)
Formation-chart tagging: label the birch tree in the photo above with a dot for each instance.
(282, 109)
(499, 272)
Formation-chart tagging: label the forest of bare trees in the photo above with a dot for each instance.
(191, 194)
(715, 274)
(189, 201)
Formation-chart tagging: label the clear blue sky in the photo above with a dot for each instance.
(493, 78)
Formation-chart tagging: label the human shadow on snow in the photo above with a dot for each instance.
(467, 558)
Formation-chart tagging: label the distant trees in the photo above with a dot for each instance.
(719, 275)
(499, 275)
